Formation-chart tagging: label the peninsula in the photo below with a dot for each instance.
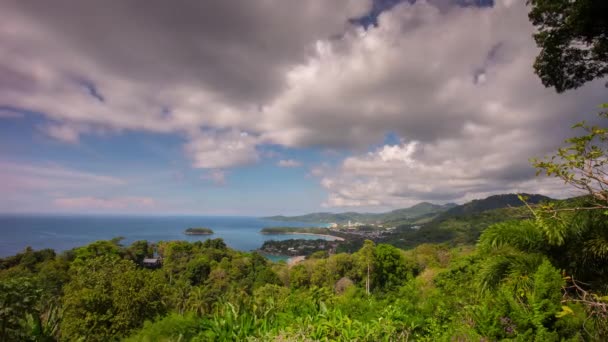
(323, 232)
(198, 231)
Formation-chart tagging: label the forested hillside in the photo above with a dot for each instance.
(410, 214)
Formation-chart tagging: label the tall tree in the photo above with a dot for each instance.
(366, 254)
(573, 38)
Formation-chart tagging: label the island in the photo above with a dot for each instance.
(198, 231)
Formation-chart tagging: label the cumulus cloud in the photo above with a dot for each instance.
(457, 85)
(170, 68)
(424, 74)
(217, 150)
(289, 163)
(454, 83)
(429, 174)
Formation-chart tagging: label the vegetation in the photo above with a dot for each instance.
(493, 202)
(511, 286)
(294, 247)
(465, 223)
(410, 214)
(199, 231)
(573, 38)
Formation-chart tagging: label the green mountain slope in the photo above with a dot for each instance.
(395, 216)
(463, 224)
(493, 202)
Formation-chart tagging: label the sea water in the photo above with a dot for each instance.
(63, 232)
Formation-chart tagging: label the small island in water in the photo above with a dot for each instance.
(199, 231)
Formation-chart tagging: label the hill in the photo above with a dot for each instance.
(493, 202)
(397, 216)
(456, 230)
(463, 224)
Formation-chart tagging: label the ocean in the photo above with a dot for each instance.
(65, 232)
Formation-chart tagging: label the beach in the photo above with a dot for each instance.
(294, 260)
(337, 238)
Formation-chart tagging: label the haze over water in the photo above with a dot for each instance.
(66, 232)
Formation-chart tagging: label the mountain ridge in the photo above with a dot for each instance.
(422, 212)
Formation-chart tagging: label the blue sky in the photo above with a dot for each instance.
(155, 166)
(260, 108)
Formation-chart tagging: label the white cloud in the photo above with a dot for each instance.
(430, 173)
(289, 163)
(182, 71)
(215, 150)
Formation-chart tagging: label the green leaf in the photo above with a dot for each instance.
(565, 312)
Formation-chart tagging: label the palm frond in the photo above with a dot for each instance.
(507, 263)
(522, 235)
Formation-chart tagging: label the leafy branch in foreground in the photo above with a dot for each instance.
(595, 305)
(582, 163)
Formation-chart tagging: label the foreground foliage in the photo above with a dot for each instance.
(511, 286)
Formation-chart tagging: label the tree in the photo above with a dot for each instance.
(390, 267)
(18, 299)
(298, 276)
(573, 38)
(367, 255)
(580, 225)
(99, 248)
(108, 297)
(139, 250)
(583, 162)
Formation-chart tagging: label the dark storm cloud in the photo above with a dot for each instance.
(238, 49)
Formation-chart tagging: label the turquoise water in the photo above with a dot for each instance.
(276, 258)
(66, 232)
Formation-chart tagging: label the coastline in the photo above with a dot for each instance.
(335, 238)
(289, 260)
(295, 259)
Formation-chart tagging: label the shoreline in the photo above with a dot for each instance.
(295, 260)
(335, 238)
(289, 260)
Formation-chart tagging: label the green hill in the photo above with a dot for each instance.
(397, 216)
(493, 202)
(463, 224)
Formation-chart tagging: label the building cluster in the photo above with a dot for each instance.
(354, 226)
(364, 230)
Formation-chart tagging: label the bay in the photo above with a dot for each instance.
(63, 232)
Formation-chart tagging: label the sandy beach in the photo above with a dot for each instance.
(337, 238)
(294, 260)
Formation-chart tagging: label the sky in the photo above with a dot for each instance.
(272, 107)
